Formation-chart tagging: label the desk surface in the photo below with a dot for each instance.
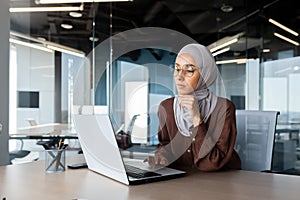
(29, 181)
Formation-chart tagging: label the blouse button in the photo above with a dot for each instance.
(189, 151)
(193, 139)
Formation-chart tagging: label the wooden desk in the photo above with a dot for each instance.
(29, 181)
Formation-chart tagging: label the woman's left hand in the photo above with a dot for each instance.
(189, 102)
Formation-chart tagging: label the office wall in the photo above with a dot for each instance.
(35, 72)
(4, 80)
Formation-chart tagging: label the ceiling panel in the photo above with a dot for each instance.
(203, 20)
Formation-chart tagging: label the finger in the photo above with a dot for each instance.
(187, 99)
(188, 105)
(187, 102)
(183, 96)
(157, 160)
(164, 162)
(150, 161)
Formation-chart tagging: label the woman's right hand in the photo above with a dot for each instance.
(190, 103)
(156, 160)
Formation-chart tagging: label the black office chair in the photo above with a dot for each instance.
(18, 153)
(21, 153)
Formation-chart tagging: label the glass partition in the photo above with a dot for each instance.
(45, 57)
(119, 44)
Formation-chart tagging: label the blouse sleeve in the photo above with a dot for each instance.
(164, 149)
(213, 146)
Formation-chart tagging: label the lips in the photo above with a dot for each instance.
(180, 86)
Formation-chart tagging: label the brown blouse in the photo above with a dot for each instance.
(210, 146)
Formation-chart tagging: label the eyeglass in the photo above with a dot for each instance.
(187, 70)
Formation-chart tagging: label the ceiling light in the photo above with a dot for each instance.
(283, 70)
(42, 67)
(296, 68)
(288, 69)
(266, 50)
(224, 44)
(75, 14)
(226, 8)
(243, 61)
(221, 51)
(46, 9)
(75, 1)
(286, 39)
(41, 38)
(66, 50)
(47, 45)
(50, 46)
(66, 26)
(237, 61)
(94, 39)
(283, 27)
(27, 44)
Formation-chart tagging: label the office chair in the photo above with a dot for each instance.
(255, 138)
(18, 153)
(21, 155)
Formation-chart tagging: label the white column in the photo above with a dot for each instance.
(252, 85)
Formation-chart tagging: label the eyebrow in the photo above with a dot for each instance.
(188, 65)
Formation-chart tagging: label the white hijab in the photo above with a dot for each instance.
(206, 100)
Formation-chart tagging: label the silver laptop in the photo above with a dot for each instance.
(101, 152)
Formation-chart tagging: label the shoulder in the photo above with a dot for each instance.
(165, 109)
(224, 103)
(166, 106)
(167, 102)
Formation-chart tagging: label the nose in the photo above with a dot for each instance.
(180, 75)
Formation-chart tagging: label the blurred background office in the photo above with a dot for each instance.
(255, 44)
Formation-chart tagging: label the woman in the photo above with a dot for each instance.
(197, 128)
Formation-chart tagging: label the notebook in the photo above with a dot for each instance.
(101, 152)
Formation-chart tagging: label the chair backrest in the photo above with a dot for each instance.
(255, 138)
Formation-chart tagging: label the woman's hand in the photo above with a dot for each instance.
(189, 102)
(157, 160)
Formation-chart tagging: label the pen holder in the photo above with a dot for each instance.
(55, 160)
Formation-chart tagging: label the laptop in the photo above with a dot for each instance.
(102, 155)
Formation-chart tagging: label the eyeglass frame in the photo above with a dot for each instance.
(177, 70)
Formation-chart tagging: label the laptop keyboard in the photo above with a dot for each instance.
(139, 173)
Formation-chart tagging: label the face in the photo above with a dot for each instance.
(186, 74)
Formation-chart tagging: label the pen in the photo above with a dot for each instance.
(58, 156)
(60, 142)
